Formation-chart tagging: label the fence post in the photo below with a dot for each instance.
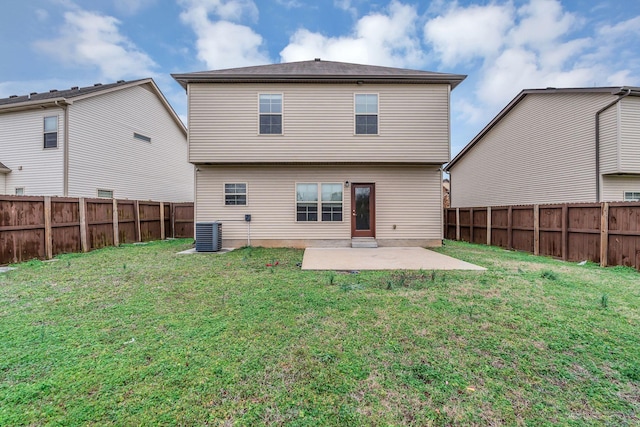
(162, 230)
(509, 227)
(84, 241)
(565, 232)
(48, 235)
(137, 218)
(536, 229)
(116, 230)
(488, 225)
(471, 225)
(604, 234)
(458, 224)
(173, 220)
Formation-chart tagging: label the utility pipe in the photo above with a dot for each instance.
(600, 111)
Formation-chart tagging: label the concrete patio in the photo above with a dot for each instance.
(381, 259)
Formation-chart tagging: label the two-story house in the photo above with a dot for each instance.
(554, 146)
(320, 152)
(119, 140)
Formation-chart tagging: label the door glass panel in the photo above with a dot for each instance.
(363, 221)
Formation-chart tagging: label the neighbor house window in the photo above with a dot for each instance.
(141, 137)
(270, 114)
(19, 191)
(314, 198)
(107, 194)
(51, 132)
(235, 194)
(366, 114)
(632, 196)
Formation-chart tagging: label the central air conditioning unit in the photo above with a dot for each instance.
(208, 236)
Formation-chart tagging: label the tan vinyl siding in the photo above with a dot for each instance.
(609, 140)
(630, 135)
(542, 151)
(407, 197)
(105, 155)
(318, 124)
(613, 187)
(38, 170)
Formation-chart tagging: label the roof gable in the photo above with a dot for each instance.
(318, 71)
(4, 169)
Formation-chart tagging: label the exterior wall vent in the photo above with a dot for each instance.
(208, 236)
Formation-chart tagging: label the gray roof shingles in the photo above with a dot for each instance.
(66, 94)
(316, 70)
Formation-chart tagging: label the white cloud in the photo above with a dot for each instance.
(41, 15)
(347, 7)
(90, 39)
(379, 38)
(463, 34)
(224, 43)
(131, 7)
(532, 46)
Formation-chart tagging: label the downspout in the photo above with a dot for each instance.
(600, 111)
(65, 141)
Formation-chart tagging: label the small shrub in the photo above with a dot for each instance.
(604, 301)
(549, 275)
(331, 278)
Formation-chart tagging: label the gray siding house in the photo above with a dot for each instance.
(119, 140)
(320, 152)
(554, 146)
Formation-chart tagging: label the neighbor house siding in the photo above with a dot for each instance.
(407, 197)
(3, 189)
(318, 124)
(38, 170)
(630, 135)
(542, 151)
(614, 187)
(609, 140)
(103, 153)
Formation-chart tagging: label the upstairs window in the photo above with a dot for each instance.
(235, 194)
(271, 114)
(632, 196)
(366, 114)
(51, 132)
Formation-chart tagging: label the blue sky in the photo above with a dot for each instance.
(503, 46)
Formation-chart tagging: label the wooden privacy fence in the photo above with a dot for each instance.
(608, 233)
(42, 227)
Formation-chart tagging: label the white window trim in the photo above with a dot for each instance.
(224, 194)
(98, 190)
(365, 114)
(57, 132)
(318, 202)
(281, 114)
(15, 191)
(630, 199)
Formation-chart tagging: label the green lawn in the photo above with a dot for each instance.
(138, 335)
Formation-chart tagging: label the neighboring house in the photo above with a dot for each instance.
(320, 152)
(120, 140)
(554, 146)
(446, 193)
